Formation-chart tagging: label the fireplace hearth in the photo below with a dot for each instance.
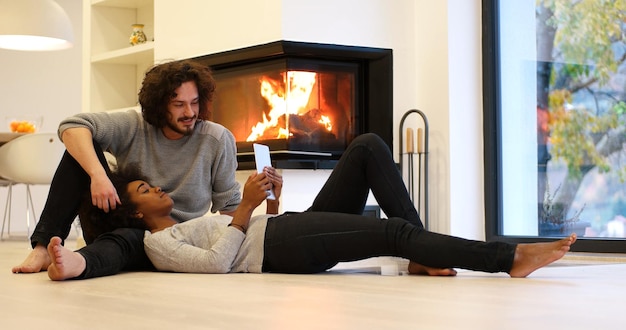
(306, 101)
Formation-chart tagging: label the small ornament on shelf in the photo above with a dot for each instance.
(137, 37)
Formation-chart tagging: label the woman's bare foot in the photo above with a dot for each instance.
(417, 269)
(65, 262)
(530, 257)
(36, 261)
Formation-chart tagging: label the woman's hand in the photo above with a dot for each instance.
(254, 193)
(275, 179)
(255, 190)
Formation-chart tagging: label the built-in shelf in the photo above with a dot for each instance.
(130, 55)
(113, 69)
(122, 3)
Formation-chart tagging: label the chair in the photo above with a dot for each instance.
(30, 159)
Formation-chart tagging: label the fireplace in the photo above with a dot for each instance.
(306, 101)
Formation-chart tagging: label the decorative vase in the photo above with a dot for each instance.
(137, 37)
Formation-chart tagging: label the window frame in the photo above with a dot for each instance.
(493, 145)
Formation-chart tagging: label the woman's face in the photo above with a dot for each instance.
(150, 201)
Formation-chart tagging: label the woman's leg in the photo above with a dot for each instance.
(67, 189)
(312, 242)
(366, 164)
(111, 253)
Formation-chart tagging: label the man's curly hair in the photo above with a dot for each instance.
(160, 84)
(95, 222)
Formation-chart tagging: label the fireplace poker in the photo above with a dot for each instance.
(409, 152)
(420, 151)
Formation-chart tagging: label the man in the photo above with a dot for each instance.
(173, 143)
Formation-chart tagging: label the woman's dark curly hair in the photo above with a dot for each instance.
(95, 222)
(160, 83)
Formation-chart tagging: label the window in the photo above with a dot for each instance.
(555, 121)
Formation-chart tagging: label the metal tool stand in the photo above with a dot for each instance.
(421, 150)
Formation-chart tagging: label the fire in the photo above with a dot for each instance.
(324, 120)
(285, 98)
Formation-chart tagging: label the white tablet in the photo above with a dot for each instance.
(262, 158)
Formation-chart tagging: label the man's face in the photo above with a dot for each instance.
(182, 111)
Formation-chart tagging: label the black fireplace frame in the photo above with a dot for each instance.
(375, 90)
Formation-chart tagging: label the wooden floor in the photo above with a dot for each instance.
(579, 292)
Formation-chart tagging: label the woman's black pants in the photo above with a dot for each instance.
(333, 230)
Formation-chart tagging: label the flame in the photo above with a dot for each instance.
(324, 120)
(292, 99)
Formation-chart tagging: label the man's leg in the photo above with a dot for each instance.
(69, 186)
(67, 189)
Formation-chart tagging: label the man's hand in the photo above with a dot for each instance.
(103, 193)
(79, 143)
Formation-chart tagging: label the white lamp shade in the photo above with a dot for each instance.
(34, 25)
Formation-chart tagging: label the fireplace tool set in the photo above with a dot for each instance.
(416, 149)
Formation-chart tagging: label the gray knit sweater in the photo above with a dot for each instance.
(208, 245)
(197, 171)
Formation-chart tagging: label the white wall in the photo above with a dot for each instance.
(436, 48)
(449, 91)
(44, 83)
(206, 27)
(466, 208)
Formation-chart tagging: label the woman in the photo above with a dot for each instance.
(332, 230)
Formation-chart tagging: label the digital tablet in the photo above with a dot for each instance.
(262, 158)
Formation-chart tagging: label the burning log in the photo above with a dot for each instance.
(310, 127)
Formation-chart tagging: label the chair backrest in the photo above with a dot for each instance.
(31, 158)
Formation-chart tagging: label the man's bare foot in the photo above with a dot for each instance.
(36, 261)
(65, 262)
(530, 257)
(417, 269)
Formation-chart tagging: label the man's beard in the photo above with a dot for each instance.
(186, 131)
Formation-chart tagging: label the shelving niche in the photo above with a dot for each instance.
(113, 69)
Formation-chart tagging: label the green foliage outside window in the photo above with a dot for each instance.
(581, 93)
